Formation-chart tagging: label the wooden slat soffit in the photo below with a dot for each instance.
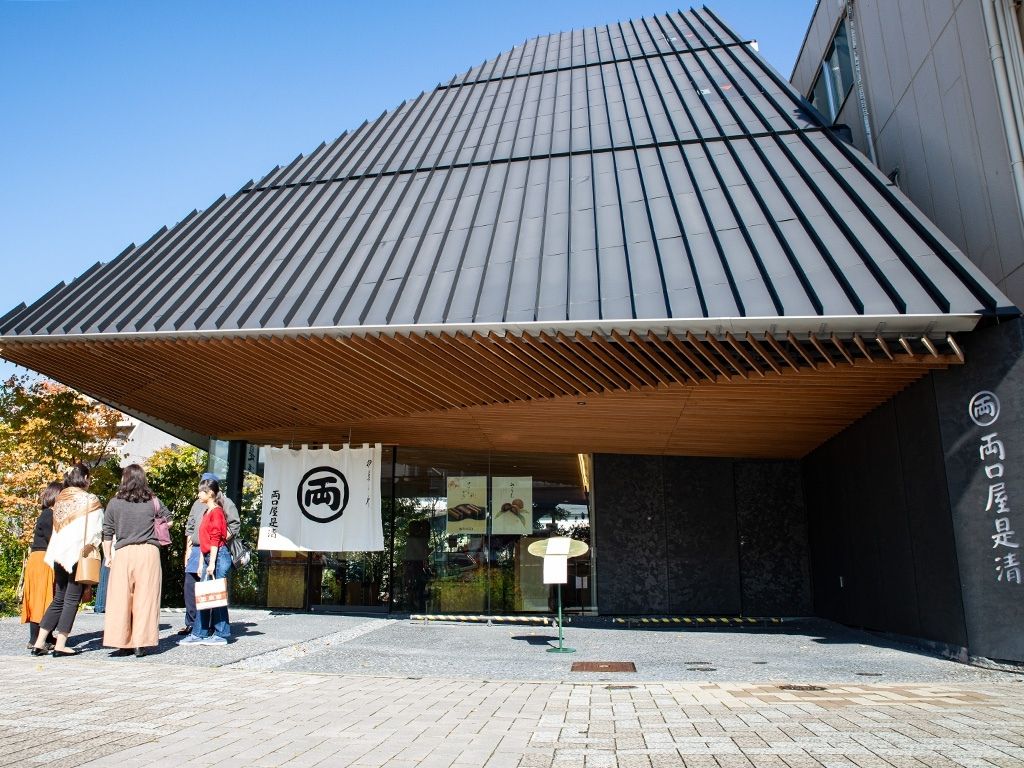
(765, 395)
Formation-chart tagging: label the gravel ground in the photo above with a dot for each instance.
(800, 652)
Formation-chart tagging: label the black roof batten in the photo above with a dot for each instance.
(168, 260)
(397, 243)
(651, 171)
(488, 165)
(383, 228)
(433, 270)
(893, 242)
(487, 261)
(354, 217)
(871, 175)
(249, 265)
(571, 67)
(356, 145)
(823, 199)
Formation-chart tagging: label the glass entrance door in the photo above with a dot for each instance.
(350, 581)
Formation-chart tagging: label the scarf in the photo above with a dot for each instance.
(77, 520)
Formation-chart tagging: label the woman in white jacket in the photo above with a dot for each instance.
(77, 530)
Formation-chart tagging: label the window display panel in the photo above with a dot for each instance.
(464, 520)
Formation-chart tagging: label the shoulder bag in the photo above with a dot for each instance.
(161, 525)
(87, 572)
(240, 552)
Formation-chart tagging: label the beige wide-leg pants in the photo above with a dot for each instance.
(133, 598)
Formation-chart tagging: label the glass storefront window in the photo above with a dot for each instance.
(457, 525)
(463, 524)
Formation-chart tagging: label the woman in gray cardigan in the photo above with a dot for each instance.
(131, 549)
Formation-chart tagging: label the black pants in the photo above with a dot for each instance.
(33, 633)
(190, 599)
(62, 611)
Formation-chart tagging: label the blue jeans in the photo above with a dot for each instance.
(214, 620)
(100, 606)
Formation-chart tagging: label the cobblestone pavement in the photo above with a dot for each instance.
(258, 708)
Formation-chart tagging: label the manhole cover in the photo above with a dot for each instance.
(869, 674)
(794, 687)
(603, 666)
(700, 669)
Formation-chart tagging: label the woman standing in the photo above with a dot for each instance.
(211, 560)
(38, 575)
(136, 581)
(77, 526)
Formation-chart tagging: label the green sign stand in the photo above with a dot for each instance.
(561, 648)
(559, 549)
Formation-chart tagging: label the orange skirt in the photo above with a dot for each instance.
(38, 588)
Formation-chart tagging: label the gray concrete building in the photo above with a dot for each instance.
(933, 92)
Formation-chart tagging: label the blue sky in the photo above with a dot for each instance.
(121, 117)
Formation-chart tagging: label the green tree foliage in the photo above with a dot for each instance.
(44, 428)
(173, 474)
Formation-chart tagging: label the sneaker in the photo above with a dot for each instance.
(191, 640)
(213, 640)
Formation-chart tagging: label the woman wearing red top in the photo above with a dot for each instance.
(211, 560)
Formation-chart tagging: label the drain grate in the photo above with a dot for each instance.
(603, 666)
(795, 687)
(619, 687)
(869, 674)
(700, 669)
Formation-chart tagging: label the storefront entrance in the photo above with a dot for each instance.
(457, 525)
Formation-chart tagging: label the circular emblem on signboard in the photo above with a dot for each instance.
(322, 494)
(984, 408)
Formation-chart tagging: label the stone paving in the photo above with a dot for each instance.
(272, 699)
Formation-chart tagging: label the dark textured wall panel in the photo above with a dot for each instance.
(667, 539)
(772, 525)
(700, 524)
(629, 534)
(880, 533)
(936, 578)
(993, 608)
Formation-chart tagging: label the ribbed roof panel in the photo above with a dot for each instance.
(649, 169)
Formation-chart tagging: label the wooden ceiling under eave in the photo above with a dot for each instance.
(678, 394)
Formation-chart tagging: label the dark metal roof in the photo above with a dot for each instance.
(653, 169)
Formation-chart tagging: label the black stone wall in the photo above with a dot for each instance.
(882, 549)
(993, 607)
(685, 535)
(901, 540)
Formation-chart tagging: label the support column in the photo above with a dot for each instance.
(236, 471)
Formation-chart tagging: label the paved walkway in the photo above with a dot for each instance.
(251, 705)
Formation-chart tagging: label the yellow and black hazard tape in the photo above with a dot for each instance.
(697, 621)
(460, 617)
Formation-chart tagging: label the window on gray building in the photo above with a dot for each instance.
(835, 79)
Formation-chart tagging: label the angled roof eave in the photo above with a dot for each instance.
(841, 325)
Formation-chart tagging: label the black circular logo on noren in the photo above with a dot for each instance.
(322, 494)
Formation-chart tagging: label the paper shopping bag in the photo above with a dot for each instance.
(211, 593)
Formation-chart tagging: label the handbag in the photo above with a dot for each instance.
(87, 571)
(161, 526)
(240, 552)
(211, 593)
